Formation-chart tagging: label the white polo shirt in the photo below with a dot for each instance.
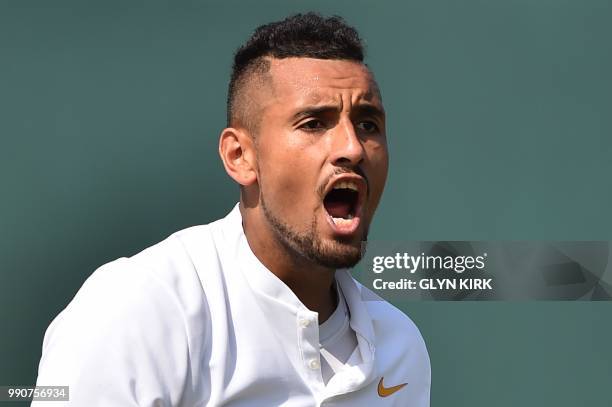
(197, 320)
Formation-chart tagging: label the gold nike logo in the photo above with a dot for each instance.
(387, 391)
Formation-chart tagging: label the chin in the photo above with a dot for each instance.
(339, 255)
(317, 244)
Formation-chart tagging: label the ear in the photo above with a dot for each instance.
(237, 152)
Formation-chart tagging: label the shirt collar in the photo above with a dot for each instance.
(260, 278)
(274, 290)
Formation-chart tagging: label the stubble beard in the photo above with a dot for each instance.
(336, 254)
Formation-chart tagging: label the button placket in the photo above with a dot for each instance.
(304, 322)
(314, 364)
(308, 333)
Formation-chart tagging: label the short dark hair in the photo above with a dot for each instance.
(307, 35)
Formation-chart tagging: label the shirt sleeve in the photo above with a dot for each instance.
(122, 341)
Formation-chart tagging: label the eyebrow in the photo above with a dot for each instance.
(362, 109)
(369, 110)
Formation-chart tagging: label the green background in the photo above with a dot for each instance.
(499, 124)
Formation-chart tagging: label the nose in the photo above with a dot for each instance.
(347, 148)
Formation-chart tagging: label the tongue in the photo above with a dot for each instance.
(338, 209)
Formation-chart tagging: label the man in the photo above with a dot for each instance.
(250, 310)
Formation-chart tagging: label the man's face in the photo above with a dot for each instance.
(321, 157)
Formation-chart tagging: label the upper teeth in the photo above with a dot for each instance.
(346, 185)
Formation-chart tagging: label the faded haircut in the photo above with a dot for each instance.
(307, 35)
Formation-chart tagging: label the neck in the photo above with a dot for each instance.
(311, 283)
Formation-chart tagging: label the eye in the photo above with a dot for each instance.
(368, 127)
(313, 125)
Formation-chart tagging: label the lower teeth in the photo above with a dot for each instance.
(343, 221)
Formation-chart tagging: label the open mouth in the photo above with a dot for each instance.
(342, 204)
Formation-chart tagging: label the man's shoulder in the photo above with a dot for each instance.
(162, 274)
(400, 348)
(112, 331)
(172, 257)
(131, 308)
(187, 254)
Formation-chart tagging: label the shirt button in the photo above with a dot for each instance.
(304, 322)
(314, 364)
